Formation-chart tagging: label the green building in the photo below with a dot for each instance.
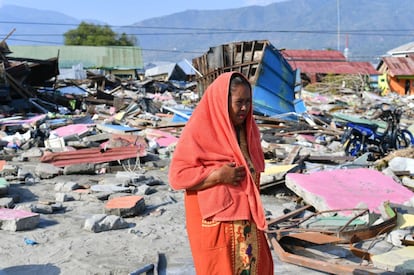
(120, 61)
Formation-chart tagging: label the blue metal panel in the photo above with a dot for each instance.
(273, 91)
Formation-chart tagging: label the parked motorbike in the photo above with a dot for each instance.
(359, 138)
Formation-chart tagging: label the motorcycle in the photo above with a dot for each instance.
(360, 138)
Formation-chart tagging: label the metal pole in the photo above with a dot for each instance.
(338, 24)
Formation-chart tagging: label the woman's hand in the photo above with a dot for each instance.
(228, 173)
(232, 174)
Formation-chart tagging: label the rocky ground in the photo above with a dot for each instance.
(157, 238)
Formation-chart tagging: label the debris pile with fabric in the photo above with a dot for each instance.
(104, 144)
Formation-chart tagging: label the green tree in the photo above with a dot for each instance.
(96, 35)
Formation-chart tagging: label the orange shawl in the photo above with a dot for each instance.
(209, 141)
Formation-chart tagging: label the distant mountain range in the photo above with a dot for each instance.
(369, 28)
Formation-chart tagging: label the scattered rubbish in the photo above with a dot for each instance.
(148, 269)
(351, 182)
(30, 241)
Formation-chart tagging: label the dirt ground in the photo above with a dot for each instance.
(157, 239)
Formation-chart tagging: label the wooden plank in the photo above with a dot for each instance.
(292, 155)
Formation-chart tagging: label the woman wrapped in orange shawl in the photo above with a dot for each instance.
(217, 161)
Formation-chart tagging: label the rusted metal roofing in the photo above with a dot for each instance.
(364, 67)
(400, 65)
(92, 155)
(314, 55)
(326, 67)
(326, 62)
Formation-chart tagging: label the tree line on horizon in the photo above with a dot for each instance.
(87, 34)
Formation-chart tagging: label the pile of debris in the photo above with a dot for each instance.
(353, 214)
(343, 203)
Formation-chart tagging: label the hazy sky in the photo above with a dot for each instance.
(124, 12)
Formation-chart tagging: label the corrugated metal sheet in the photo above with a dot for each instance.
(272, 78)
(92, 155)
(88, 56)
(273, 90)
(398, 66)
(365, 68)
(164, 69)
(402, 50)
(166, 72)
(326, 62)
(326, 67)
(315, 55)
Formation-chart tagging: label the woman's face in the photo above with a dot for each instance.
(239, 104)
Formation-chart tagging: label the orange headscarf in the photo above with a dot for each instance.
(208, 142)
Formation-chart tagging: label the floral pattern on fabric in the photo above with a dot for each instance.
(246, 248)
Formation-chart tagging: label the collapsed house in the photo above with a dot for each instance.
(276, 85)
(122, 130)
(78, 76)
(20, 76)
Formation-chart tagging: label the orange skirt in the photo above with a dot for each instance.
(232, 247)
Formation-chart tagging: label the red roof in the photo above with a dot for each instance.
(365, 67)
(326, 62)
(400, 65)
(315, 55)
